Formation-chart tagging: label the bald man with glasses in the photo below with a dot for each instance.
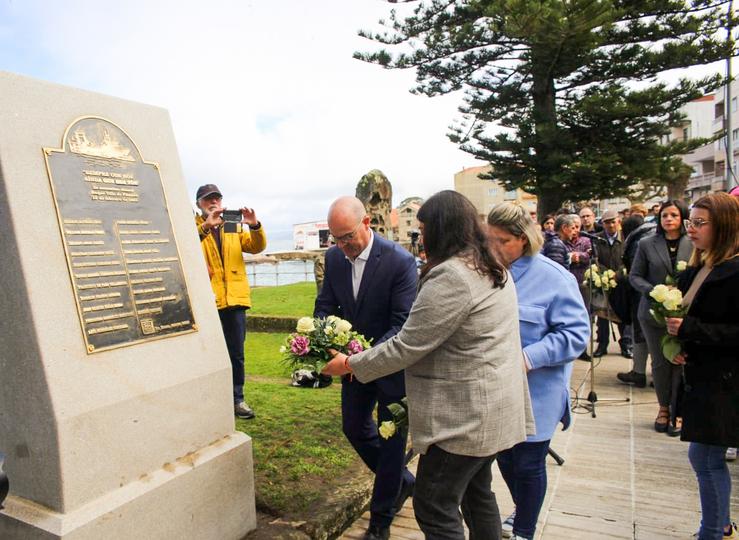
(370, 282)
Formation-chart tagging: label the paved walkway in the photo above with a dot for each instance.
(621, 479)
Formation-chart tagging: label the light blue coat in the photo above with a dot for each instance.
(555, 329)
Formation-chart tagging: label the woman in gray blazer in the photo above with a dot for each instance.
(468, 397)
(656, 258)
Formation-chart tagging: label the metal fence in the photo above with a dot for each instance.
(280, 273)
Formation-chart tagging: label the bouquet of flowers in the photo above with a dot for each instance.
(667, 302)
(307, 347)
(604, 280)
(399, 411)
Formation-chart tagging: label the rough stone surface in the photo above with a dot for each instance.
(376, 193)
(80, 430)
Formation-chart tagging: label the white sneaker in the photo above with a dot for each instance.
(507, 525)
(730, 454)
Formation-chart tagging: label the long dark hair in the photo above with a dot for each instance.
(451, 227)
(682, 208)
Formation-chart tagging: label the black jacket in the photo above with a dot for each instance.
(710, 337)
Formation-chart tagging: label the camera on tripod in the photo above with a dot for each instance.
(231, 220)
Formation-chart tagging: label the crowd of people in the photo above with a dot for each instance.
(484, 353)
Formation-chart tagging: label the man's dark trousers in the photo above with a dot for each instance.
(384, 457)
(233, 322)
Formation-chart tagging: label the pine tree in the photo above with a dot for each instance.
(560, 96)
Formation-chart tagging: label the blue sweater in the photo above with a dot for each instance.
(555, 328)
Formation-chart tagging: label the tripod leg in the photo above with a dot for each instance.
(556, 457)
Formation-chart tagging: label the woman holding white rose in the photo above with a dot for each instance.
(709, 335)
(657, 257)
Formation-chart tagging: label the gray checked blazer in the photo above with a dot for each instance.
(652, 266)
(464, 367)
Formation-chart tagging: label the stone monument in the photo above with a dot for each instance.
(375, 191)
(116, 417)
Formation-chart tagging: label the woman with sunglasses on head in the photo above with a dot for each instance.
(464, 372)
(709, 335)
(555, 328)
(656, 258)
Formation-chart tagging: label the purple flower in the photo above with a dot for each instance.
(355, 347)
(300, 345)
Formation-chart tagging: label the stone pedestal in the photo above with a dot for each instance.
(108, 438)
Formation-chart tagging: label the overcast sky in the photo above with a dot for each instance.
(264, 95)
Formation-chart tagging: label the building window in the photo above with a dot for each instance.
(510, 195)
(735, 134)
(686, 134)
(733, 104)
(408, 222)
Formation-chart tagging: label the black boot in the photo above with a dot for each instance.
(632, 377)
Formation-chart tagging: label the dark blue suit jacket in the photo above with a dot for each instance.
(385, 297)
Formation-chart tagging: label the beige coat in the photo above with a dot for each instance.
(464, 368)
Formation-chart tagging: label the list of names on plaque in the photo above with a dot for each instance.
(122, 255)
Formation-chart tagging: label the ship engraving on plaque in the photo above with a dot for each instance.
(121, 251)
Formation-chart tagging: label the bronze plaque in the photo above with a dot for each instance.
(121, 252)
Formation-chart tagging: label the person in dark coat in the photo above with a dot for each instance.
(609, 251)
(709, 335)
(657, 257)
(633, 229)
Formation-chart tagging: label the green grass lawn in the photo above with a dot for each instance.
(300, 454)
(294, 300)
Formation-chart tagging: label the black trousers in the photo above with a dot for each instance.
(604, 334)
(446, 481)
(384, 457)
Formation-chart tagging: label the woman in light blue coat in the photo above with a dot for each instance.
(555, 328)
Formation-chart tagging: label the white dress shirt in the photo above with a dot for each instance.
(358, 265)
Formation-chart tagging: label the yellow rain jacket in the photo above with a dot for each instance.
(228, 274)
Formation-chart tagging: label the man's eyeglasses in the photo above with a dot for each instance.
(694, 223)
(344, 238)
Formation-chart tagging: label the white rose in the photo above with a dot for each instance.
(596, 280)
(681, 266)
(613, 284)
(305, 325)
(594, 268)
(387, 429)
(659, 293)
(343, 326)
(671, 305)
(332, 319)
(673, 300)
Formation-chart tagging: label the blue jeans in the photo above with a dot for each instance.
(525, 473)
(714, 487)
(233, 322)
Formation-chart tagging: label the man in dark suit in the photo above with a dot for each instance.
(610, 255)
(370, 282)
